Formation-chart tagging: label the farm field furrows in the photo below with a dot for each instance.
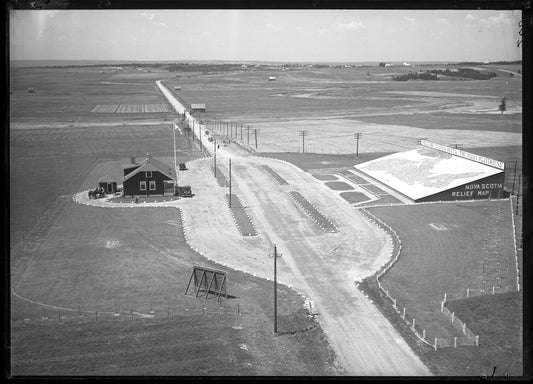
(446, 257)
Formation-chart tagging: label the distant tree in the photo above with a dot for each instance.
(502, 106)
(511, 75)
(381, 64)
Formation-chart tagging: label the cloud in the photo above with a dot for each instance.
(500, 18)
(409, 19)
(470, 18)
(442, 21)
(351, 25)
(150, 17)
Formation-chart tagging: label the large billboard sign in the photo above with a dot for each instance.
(466, 155)
(487, 188)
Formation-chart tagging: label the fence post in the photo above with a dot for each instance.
(453, 316)
(493, 289)
(455, 342)
(403, 315)
(477, 340)
(468, 292)
(442, 306)
(413, 326)
(444, 300)
(435, 345)
(423, 334)
(464, 328)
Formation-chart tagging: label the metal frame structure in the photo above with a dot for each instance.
(209, 281)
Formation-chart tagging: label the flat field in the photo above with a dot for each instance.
(68, 258)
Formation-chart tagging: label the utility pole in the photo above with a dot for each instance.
(215, 156)
(518, 194)
(514, 175)
(230, 182)
(255, 133)
(174, 131)
(248, 130)
(241, 132)
(303, 134)
(276, 288)
(357, 136)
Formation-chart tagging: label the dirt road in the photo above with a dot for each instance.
(324, 266)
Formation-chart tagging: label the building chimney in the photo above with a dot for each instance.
(132, 158)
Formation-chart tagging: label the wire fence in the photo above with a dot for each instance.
(469, 338)
(50, 316)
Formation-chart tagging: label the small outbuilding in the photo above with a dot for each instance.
(197, 107)
(107, 184)
(147, 178)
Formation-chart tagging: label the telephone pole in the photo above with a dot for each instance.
(357, 136)
(230, 182)
(514, 175)
(248, 132)
(276, 288)
(303, 134)
(255, 133)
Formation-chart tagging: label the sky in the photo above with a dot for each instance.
(265, 35)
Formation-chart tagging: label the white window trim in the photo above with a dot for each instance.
(148, 174)
(152, 184)
(142, 185)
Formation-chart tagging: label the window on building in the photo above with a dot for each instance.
(152, 185)
(142, 186)
(148, 174)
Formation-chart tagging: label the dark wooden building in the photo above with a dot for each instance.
(147, 178)
(107, 184)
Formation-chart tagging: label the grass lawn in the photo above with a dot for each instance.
(434, 261)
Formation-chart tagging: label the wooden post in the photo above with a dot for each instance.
(444, 297)
(435, 345)
(455, 341)
(453, 316)
(413, 322)
(403, 315)
(275, 291)
(423, 334)
(442, 306)
(468, 292)
(477, 340)
(464, 328)
(493, 289)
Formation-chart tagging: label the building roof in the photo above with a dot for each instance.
(197, 106)
(425, 171)
(151, 164)
(107, 179)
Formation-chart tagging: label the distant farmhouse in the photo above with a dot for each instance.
(272, 78)
(150, 177)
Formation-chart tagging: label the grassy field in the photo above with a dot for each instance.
(448, 260)
(67, 258)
